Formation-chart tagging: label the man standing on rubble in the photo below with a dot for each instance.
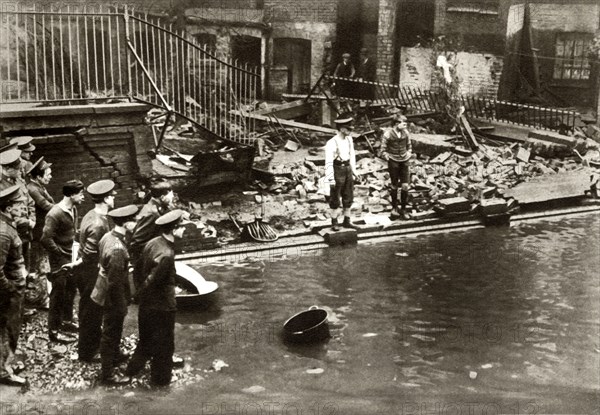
(12, 283)
(94, 226)
(57, 237)
(340, 171)
(396, 148)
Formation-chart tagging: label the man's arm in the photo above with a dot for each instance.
(352, 156)
(39, 199)
(329, 155)
(6, 285)
(48, 234)
(158, 272)
(384, 143)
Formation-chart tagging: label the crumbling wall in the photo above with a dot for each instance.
(87, 142)
(509, 80)
(479, 72)
(385, 40)
(547, 20)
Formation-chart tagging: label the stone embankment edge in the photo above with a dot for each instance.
(304, 243)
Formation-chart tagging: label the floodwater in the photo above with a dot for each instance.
(487, 321)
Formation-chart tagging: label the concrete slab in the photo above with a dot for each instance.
(551, 187)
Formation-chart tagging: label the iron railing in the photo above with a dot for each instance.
(416, 100)
(74, 56)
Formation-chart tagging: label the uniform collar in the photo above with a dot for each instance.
(5, 218)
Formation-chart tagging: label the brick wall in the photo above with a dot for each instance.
(320, 34)
(88, 143)
(323, 11)
(573, 17)
(479, 73)
(385, 40)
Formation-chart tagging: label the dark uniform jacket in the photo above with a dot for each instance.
(157, 292)
(93, 227)
(12, 277)
(145, 229)
(43, 203)
(59, 233)
(114, 274)
(22, 223)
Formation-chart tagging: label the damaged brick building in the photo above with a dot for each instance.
(529, 51)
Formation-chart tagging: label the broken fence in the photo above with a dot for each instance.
(424, 101)
(75, 56)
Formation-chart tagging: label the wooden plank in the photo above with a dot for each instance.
(288, 110)
(288, 123)
(470, 136)
(551, 187)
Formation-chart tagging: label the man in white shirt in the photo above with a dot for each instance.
(340, 171)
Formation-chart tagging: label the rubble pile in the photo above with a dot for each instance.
(52, 368)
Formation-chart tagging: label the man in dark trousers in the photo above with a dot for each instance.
(396, 148)
(366, 72)
(161, 197)
(11, 173)
(12, 283)
(340, 171)
(112, 292)
(344, 69)
(57, 238)
(157, 306)
(94, 226)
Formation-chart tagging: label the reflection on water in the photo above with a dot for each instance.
(496, 310)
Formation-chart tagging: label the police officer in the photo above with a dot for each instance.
(57, 238)
(157, 306)
(94, 226)
(111, 291)
(161, 197)
(340, 171)
(24, 143)
(11, 174)
(12, 283)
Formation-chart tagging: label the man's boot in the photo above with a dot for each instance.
(403, 201)
(348, 224)
(334, 225)
(395, 212)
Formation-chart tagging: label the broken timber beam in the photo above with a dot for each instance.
(288, 123)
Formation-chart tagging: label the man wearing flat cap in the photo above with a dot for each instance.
(344, 69)
(94, 226)
(366, 72)
(340, 171)
(24, 143)
(57, 238)
(11, 174)
(12, 283)
(157, 306)
(111, 291)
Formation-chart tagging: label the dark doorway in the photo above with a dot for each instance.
(246, 49)
(296, 55)
(350, 30)
(414, 21)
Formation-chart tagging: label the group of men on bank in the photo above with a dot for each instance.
(33, 226)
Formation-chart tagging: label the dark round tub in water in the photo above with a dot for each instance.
(308, 326)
